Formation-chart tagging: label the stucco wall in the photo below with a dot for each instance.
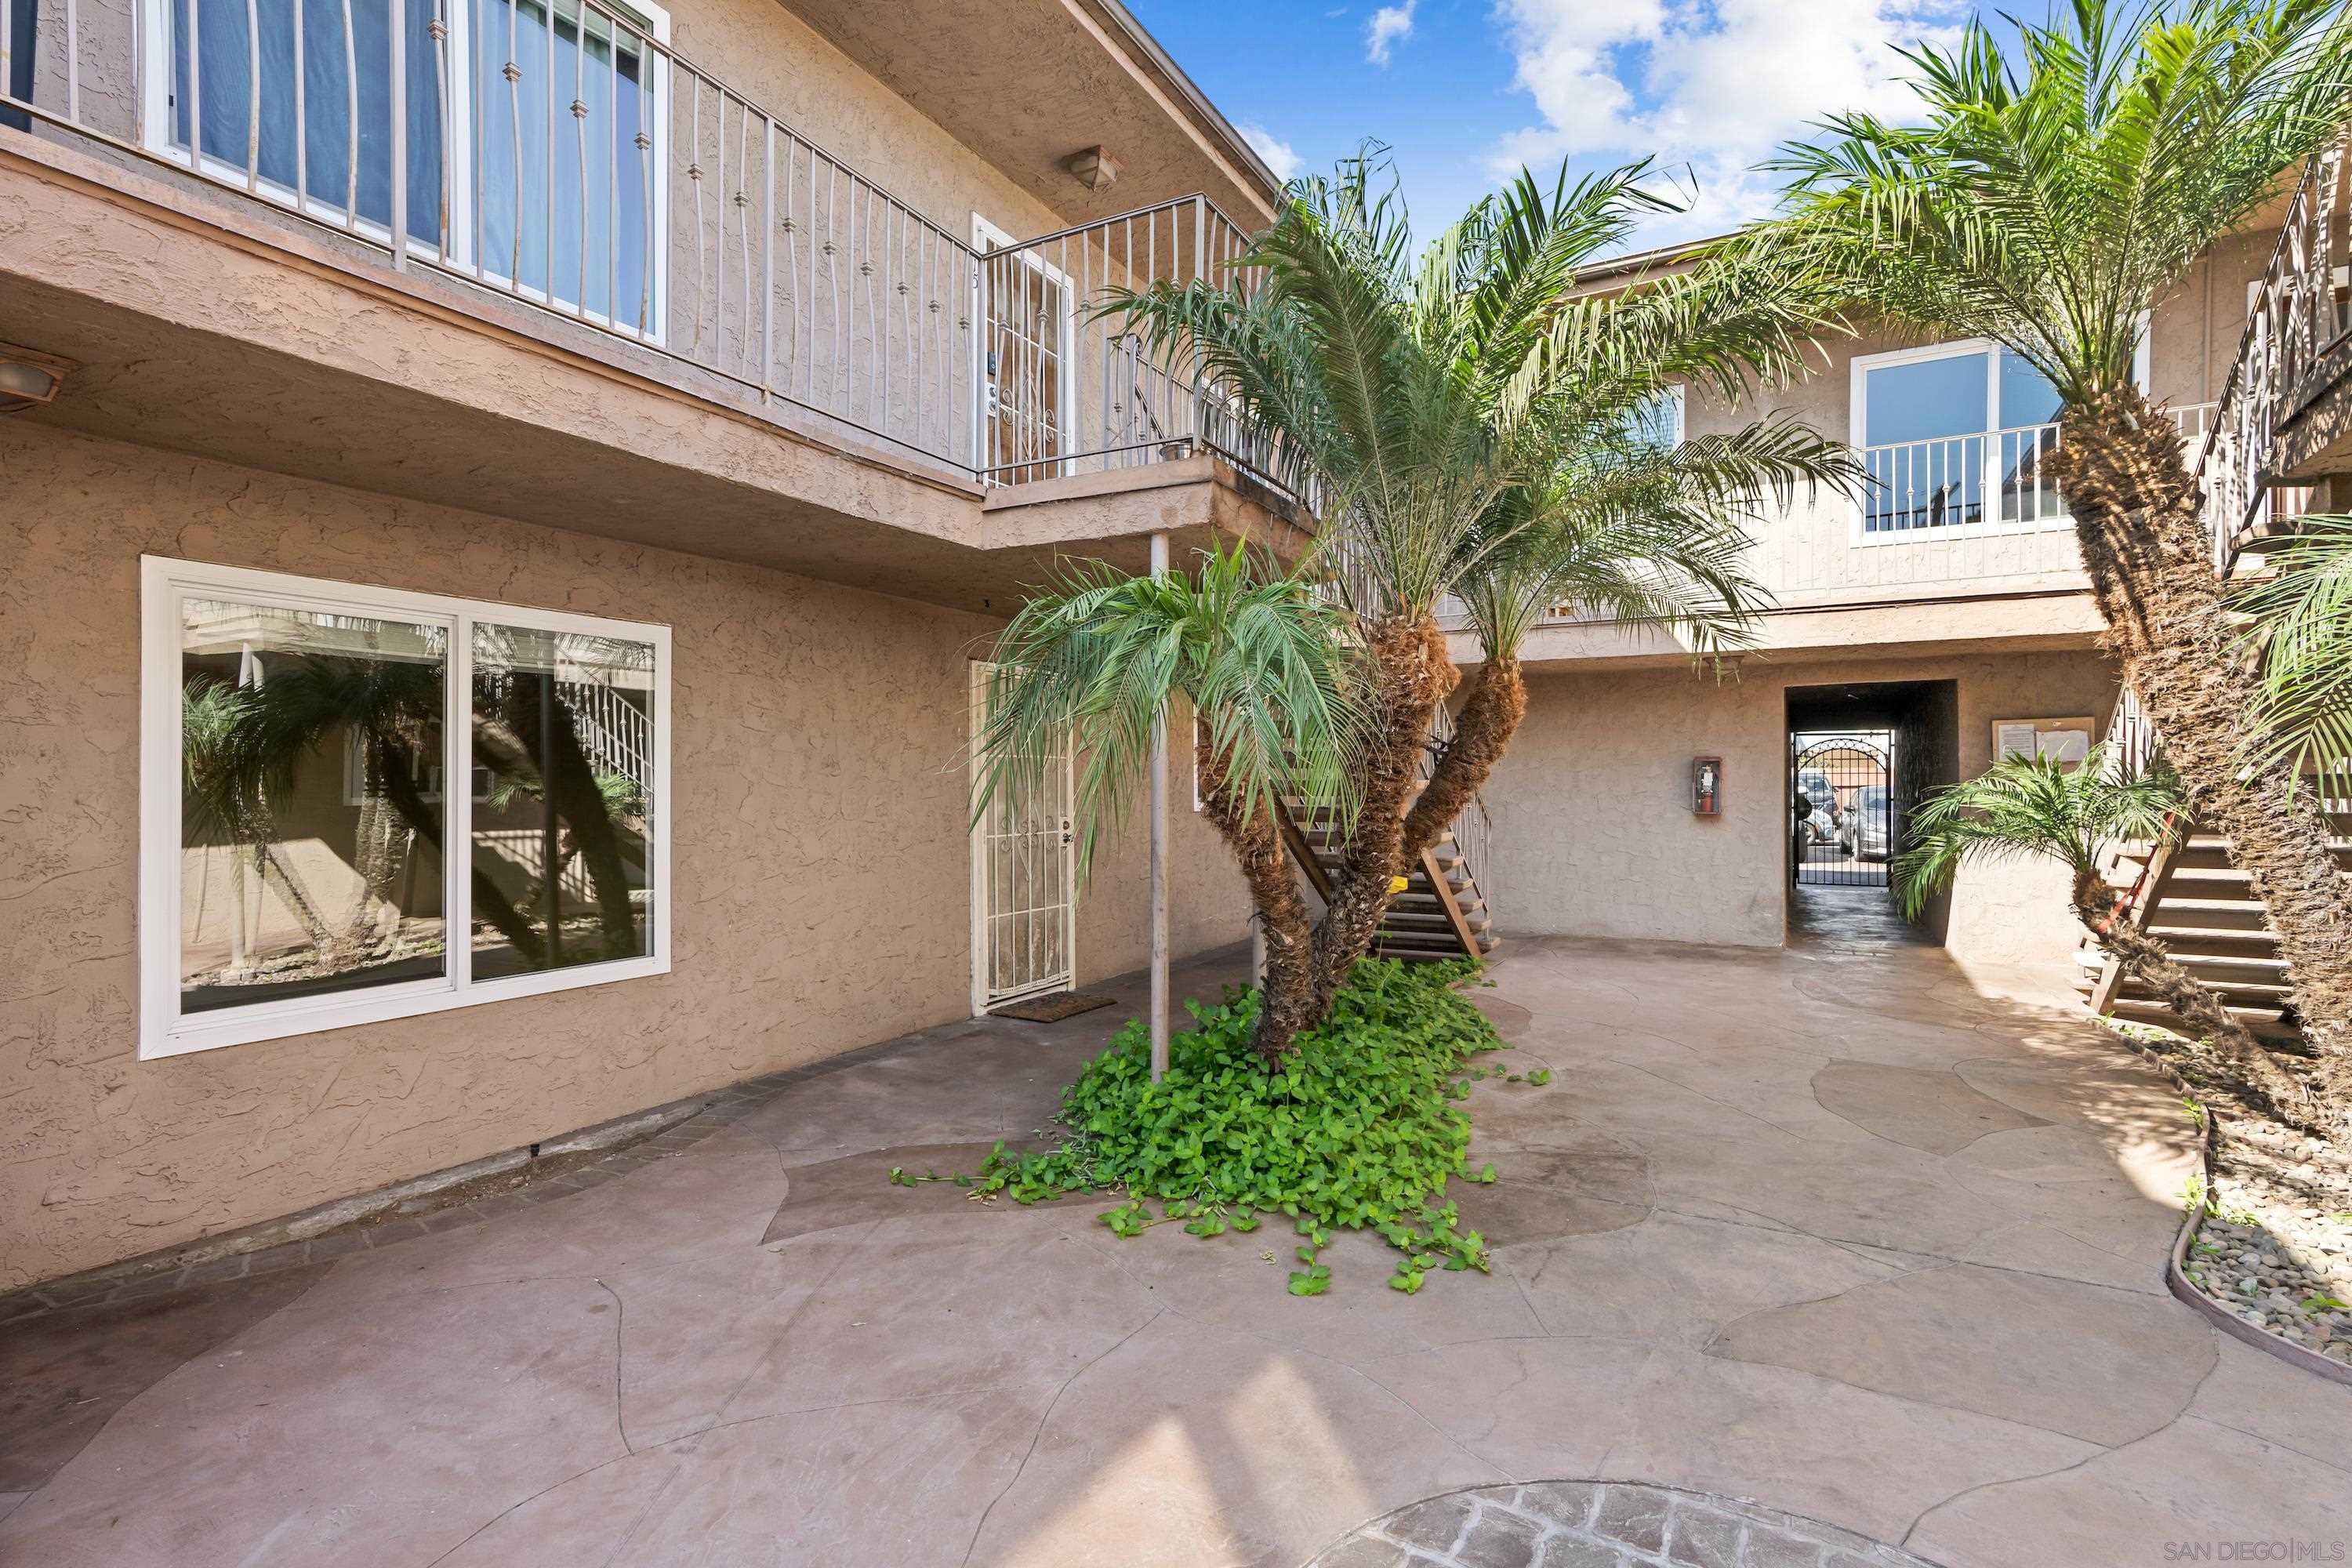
(821, 866)
(1593, 835)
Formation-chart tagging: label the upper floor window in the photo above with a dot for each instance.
(532, 135)
(296, 869)
(1956, 437)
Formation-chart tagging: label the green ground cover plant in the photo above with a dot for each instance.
(1358, 1128)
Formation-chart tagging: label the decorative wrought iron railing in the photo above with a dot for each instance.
(562, 152)
(2300, 317)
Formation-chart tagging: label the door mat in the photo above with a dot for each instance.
(1053, 1009)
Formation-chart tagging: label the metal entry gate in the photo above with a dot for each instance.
(1841, 790)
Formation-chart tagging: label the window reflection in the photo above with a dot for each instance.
(563, 754)
(310, 817)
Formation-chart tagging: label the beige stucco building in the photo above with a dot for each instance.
(706, 399)
(633, 524)
(1943, 607)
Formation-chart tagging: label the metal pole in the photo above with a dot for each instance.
(1160, 858)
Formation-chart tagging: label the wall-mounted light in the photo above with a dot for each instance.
(29, 378)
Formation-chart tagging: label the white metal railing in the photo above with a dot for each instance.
(2130, 740)
(1067, 387)
(1994, 478)
(2300, 316)
(562, 152)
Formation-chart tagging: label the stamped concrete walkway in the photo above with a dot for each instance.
(1845, 1233)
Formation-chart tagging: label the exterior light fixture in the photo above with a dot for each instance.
(29, 378)
(1094, 168)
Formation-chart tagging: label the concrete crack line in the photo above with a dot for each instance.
(620, 1364)
(1043, 1415)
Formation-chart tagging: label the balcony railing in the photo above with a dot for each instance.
(561, 152)
(1068, 388)
(2300, 316)
(1943, 484)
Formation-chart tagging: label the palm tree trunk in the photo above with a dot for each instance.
(1411, 675)
(1482, 732)
(2145, 958)
(1287, 994)
(2138, 514)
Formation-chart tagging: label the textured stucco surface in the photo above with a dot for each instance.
(821, 865)
(1592, 801)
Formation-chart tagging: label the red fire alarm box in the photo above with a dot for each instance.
(1707, 787)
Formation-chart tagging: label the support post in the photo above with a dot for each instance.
(1160, 860)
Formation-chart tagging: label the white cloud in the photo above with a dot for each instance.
(1389, 25)
(1711, 86)
(1280, 156)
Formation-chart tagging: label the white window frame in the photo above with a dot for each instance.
(1858, 416)
(163, 1031)
(463, 157)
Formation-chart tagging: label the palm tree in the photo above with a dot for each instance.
(2046, 201)
(1265, 664)
(2024, 807)
(1454, 415)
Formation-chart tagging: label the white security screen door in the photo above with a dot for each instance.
(1028, 327)
(1023, 879)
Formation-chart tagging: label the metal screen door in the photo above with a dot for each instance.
(1023, 879)
(1026, 319)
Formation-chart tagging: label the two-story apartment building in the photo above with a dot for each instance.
(1915, 631)
(503, 503)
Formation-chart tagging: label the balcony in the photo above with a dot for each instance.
(566, 172)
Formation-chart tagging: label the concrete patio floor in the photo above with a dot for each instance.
(1837, 1230)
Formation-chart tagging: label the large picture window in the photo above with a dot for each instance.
(1955, 438)
(296, 872)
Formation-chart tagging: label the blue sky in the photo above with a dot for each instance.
(1466, 90)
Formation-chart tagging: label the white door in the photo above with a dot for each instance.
(1028, 328)
(1023, 879)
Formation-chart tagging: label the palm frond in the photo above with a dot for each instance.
(1094, 654)
(2048, 195)
(2301, 629)
(2034, 807)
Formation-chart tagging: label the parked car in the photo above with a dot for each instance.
(1865, 831)
(1821, 824)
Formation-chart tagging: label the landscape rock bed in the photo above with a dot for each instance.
(2272, 1244)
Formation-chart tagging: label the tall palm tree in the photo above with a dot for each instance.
(1444, 411)
(2027, 807)
(2049, 195)
(1267, 666)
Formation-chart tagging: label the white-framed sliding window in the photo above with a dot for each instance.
(295, 872)
(1955, 438)
(535, 131)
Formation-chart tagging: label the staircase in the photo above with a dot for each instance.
(2189, 896)
(1440, 913)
